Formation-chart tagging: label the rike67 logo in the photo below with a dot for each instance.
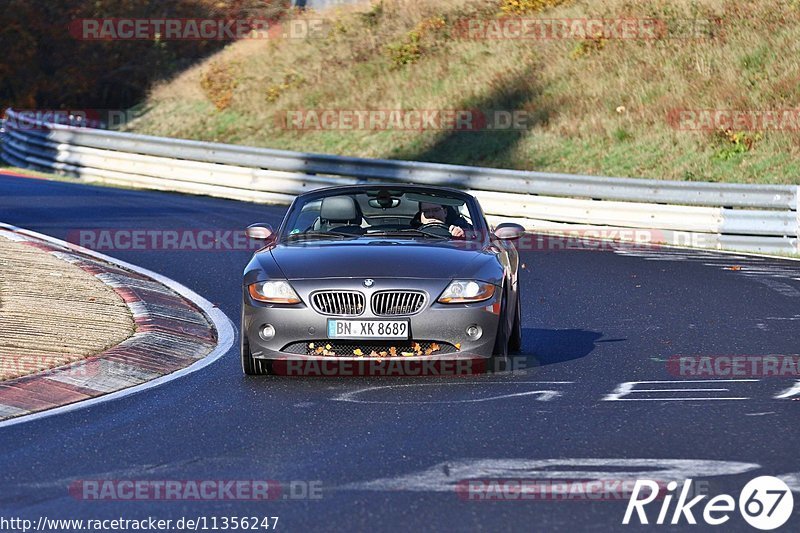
(765, 503)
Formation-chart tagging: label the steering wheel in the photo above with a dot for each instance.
(436, 228)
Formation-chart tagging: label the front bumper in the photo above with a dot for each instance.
(461, 364)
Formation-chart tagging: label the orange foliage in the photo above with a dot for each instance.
(43, 65)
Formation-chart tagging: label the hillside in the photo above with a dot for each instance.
(610, 103)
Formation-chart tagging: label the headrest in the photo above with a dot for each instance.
(339, 209)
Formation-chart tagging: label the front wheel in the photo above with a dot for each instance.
(500, 351)
(250, 365)
(515, 340)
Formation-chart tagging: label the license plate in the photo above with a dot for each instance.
(367, 329)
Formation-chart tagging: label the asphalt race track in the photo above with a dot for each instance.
(387, 452)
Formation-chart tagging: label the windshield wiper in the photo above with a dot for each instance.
(406, 232)
(320, 235)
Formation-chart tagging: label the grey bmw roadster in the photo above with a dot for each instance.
(380, 272)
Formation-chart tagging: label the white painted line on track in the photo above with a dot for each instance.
(794, 390)
(444, 477)
(683, 390)
(793, 480)
(544, 395)
(224, 326)
(697, 381)
(628, 388)
(687, 399)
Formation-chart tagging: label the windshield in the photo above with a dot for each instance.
(383, 212)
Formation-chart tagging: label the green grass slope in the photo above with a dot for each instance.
(595, 105)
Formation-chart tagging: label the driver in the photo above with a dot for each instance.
(437, 214)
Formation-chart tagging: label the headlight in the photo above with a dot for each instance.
(464, 291)
(273, 292)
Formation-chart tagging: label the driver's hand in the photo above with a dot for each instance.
(455, 231)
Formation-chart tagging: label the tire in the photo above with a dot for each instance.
(515, 339)
(250, 365)
(500, 352)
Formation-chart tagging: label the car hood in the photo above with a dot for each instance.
(379, 259)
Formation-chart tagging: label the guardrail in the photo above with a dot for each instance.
(712, 215)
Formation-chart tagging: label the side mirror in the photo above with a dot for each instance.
(259, 231)
(509, 231)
